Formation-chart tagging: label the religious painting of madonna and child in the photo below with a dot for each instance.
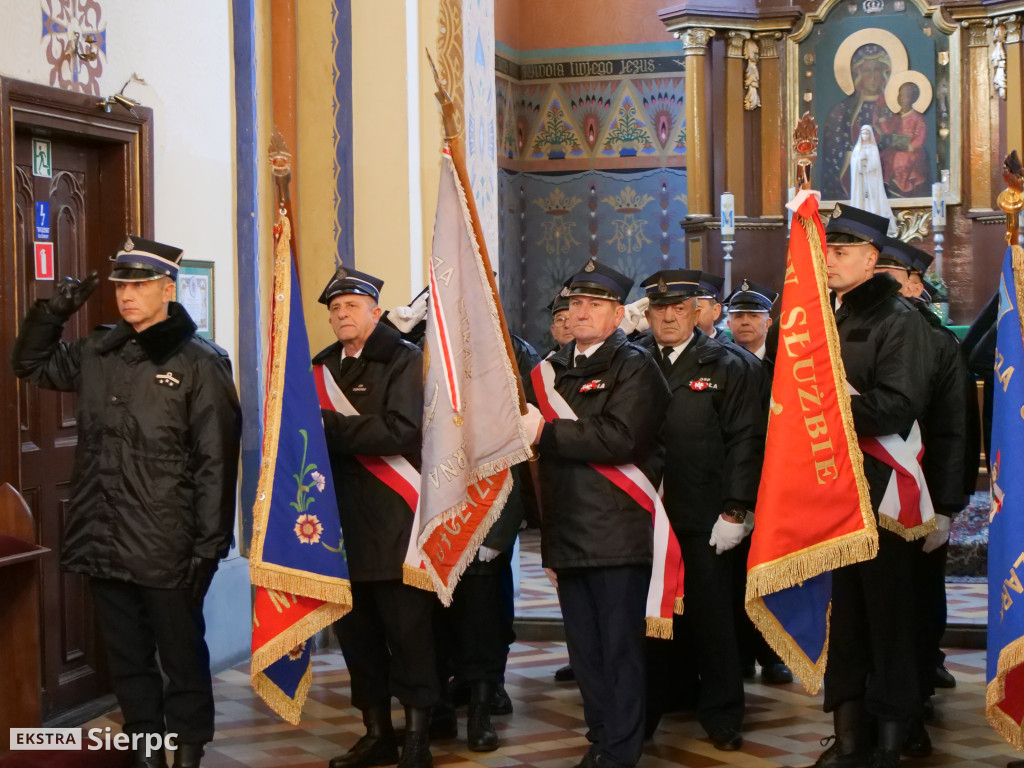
(877, 84)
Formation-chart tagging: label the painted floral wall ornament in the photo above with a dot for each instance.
(74, 42)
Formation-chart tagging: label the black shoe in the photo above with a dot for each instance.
(565, 674)
(726, 739)
(501, 704)
(929, 710)
(853, 742)
(416, 749)
(918, 743)
(776, 674)
(443, 723)
(480, 734)
(886, 758)
(187, 755)
(157, 760)
(378, 747)
(892, 736)
(943, 679)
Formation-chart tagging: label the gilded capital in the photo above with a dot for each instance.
(1012, 24)
(695, 40)
(734, 44)
(769, 42)
(977, 32)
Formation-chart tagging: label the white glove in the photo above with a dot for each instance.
(726, 535)
(486, 554)
(405, 318)
(939, 536)
(635, 318)
(533, 423)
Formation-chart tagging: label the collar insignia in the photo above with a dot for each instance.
(169, 379)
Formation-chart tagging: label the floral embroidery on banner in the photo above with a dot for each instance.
(308, 529)
(75, 43)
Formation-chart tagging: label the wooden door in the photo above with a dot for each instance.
(73, 670)
(99, 189)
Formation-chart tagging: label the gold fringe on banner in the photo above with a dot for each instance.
(809, 672)
(1017, 264)
(659, 628)
(271, 575)
(677, 607)
(417, 577)
(909, 534)
(1010, 657)
(790, 570)
(288, 708)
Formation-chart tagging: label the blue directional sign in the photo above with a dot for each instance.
(42, 220)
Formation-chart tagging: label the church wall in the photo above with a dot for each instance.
(591, 148)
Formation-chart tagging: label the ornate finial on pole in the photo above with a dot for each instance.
(447, 105)
(1011, 199)
(280, 166)
(805, 149)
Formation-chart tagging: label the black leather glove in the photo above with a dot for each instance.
(200, 575)
(69, 294)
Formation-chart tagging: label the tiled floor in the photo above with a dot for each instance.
(546, 730)
(966, 603)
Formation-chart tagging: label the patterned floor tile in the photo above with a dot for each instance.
(783, 728)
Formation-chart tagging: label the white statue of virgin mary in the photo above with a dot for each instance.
(867, 189)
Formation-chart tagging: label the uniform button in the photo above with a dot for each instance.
(113, 399)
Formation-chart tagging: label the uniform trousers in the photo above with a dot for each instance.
(388, 645)
(710, 630)
(138, 622)
(931, 614)
(873, 642)
(475, 631)
(752, 645)
(603, 612)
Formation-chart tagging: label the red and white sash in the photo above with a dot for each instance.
(394, 471)
(664, 596)
(906, 507)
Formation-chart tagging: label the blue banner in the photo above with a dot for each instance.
(1005, 658)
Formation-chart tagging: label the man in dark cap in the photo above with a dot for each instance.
(871, 683)
(387, 638)
(944, 436)
(560, 319)
(610, 399)
(749, 318)
(152, 504)
(713, 435)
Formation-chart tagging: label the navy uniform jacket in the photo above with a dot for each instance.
(589, 522)
(386, 386)
(887, 354)
(713, 434)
